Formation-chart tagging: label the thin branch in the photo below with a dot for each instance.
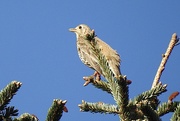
(98, 107)
(165, 57)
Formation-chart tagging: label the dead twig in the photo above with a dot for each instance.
(173, 42)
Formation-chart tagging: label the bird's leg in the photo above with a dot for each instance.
(88, 79)
(97, 76)
(91, 79)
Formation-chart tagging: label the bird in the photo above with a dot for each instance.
(87, 55)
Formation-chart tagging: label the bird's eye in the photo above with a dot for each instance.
(80, 27)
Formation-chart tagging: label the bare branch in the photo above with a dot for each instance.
(165, 57)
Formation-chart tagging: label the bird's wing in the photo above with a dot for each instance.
(87, 55)
(111, 55)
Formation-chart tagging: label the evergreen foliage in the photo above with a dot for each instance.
(8, 113)
(144, 107)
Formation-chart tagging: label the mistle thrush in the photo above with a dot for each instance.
(87, 55)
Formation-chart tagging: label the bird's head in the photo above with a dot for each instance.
(81, 30)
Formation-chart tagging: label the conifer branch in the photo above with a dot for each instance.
(118, 86)
(167, 107)
(8, 92)
(149, 112)
(154, 92)
(98, 107)
(173, 42)
(141, 107)
(26, 117)
(56, 110)
(100, 84)
(7, 113)
(176, 116)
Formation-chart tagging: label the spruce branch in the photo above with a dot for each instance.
(142, 107)
(98, 107)
(8, 92)
(176, 115)
(172, 44)
(56, 110)
(167, 107)
(121, 96)
(27, 117)
(118, 85)
(154, 92)
(149, 112)
(7, 113)
(100, 84)
(119, 88)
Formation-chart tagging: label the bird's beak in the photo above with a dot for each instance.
(72, 30)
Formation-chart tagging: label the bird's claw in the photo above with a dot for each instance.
(97, 76)
(88, 80)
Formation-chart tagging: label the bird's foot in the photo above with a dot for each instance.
(97, 76)
(88, 80)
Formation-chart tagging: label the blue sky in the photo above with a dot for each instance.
(37, 49)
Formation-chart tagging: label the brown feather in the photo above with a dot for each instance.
(87, 55)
